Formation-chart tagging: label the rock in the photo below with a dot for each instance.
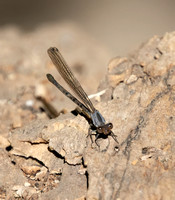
(72, 185)
(70, 146)
(59, 159)
(29, 143)
(4, 142)
(17, 122)
(10, 174)
(144, 116)
(42, 173)
(28, 137)
(31, 170)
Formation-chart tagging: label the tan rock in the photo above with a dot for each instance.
(141, 107)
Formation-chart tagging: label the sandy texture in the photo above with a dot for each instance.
(54, 158)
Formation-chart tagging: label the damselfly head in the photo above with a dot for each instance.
(105, 129)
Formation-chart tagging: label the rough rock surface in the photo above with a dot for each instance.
(58, 160)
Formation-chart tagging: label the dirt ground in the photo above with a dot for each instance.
(26, 96)
(45, 151)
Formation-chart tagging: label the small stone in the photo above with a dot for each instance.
(27, 184)
(4, 142)
(82, 170)
(40, 175)
(19, 190)
(56, 172)
(134, 162)
(145, 157)
(131, 79)
(29, 103)
(31, 170)
(17, 123)
(40, 91)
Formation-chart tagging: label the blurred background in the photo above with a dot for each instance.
(120, 25)
(88, 33)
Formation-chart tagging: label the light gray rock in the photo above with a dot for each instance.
(142, 110)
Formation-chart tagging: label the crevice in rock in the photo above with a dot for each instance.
(117, 193)
(84, 165)
(36, 143)
(142, 120)
(35, 159)
(87, 178)
(135, 133)
(61, 157)
(86, 173)
(13, 162)
(56, 154)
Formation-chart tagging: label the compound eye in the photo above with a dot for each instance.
(110, 125)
